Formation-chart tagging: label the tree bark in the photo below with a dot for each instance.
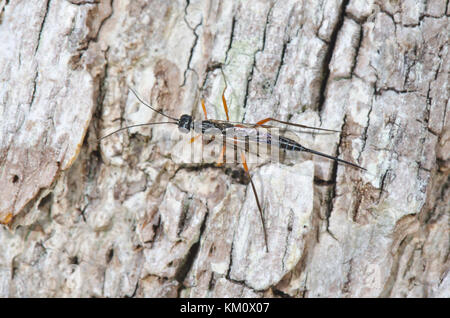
(130, 215)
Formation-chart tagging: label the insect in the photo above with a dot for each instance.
(239, 135)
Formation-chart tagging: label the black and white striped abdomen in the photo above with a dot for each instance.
(289, 144)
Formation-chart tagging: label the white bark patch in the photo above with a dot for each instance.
(288, 205)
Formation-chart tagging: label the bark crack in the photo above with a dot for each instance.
(135, 289)
(3, 10)
(187, 201)
(280, 293)
(33, 93)
(382, 182)
(332, 191)
(250, 76)
(189, 260)
(243, 284)
(366, 128)
(329, 54)
(233, 25)
(41, 28)
(283, 52)
(102, 87)
(357, 48)
(196, 36)
(348, 278)
(85, 2)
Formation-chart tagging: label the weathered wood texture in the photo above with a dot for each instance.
(121, 217)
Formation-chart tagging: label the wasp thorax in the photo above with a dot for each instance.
(185, 124)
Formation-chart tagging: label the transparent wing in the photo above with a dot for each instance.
(258, 143)
(290, 130)
(293, 126)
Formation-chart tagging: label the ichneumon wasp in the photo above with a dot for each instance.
(239, 135)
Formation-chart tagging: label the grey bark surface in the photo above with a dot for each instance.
(127, 216)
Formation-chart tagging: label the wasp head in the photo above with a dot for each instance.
(185, 124)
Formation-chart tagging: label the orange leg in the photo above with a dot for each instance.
(262, 122)
(244, 163)
(193, 139)
(204, 109)
(221, 161)
(225, 107)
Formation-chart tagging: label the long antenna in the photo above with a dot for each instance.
(138, 125)
(155, 110)
(332, 158)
